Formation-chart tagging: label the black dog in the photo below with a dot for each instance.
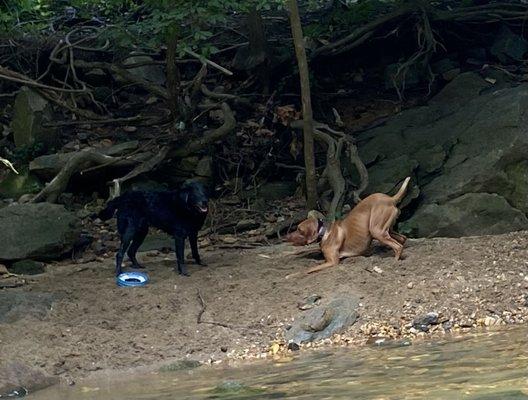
(179, 213)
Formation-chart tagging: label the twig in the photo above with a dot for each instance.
(13, 76)
(136, 118)
(209, 62)
(202, 310)
(146, 166)
(9, 94)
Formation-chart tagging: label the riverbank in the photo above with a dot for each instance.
(92, 325)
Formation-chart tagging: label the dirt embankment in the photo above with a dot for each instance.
(95, 325)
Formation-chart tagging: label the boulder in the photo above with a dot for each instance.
(37, 231)
(323, 321)
(508, 46)
(30, 113)
(27, 267)
(153, 73)
(18, 380)
(471, 139)
(467, 215)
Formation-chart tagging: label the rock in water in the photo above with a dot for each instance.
(324, 321)
(17, 379)
(37, 231)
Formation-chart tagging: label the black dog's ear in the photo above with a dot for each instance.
(184, 195)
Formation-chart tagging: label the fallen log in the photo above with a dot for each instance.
(142, 162)
(77, 162)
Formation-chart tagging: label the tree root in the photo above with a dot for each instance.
(332, 174)
(142, 162)
(209, 137)
(8, 164)
(76, 163)
(424, 16)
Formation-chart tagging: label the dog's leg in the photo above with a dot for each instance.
(331, 256)
(386, 239)
(331, 249)
(381, 226)
(137, 240)
(193, 240)
(126, 238)
(398, 237)
(179, 245)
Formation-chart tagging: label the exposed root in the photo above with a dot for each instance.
(76, 163)
(8, 164)
(336, 141)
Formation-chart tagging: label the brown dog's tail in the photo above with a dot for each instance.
(401, 193)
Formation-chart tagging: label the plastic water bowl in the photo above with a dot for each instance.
(132, 279)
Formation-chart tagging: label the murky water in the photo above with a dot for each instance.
(491, 365)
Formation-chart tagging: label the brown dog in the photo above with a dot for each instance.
(372, 218)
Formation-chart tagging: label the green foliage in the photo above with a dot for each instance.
(346, 17)
(23, 14)
(22, 155)
(141, 24)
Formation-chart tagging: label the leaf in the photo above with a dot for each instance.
(274, 348)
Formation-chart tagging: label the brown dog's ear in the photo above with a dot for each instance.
(309, 227)
(306, 233)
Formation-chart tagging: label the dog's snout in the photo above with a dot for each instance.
(202, 206)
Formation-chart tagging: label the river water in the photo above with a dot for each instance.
(487, 365)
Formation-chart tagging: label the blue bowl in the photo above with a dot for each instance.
(132, 279)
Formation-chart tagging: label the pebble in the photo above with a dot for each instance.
(293, 346)
(378, 270)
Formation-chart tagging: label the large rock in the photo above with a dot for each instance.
(323, 321)
(17, 380)
(37, 231)
(471, 139)
(153, 73)
(469, 214)
(30, 114)
(508, 46)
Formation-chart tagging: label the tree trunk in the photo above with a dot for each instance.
(258, 47)
(300, 52)
(174, 81)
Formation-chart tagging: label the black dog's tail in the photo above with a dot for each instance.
(110, 209)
